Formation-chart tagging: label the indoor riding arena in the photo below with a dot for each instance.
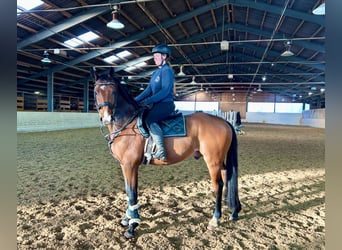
(258, 65)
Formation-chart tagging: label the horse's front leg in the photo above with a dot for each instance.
(132, 217)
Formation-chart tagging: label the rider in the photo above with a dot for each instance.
(159, 96)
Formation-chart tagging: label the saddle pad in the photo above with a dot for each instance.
(172, 126)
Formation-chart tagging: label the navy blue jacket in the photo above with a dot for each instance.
(160, 88)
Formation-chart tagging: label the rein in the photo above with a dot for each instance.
(117, 132)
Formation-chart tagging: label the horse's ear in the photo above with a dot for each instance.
(111, 72)
(94, 74)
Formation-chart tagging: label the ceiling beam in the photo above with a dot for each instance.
(133, 38)
(84, 16)
(277, 9)
(308, 45)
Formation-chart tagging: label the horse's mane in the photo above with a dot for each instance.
(126, 95)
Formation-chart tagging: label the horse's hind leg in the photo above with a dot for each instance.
(216, 179)
(225, 185)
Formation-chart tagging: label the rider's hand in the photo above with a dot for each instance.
(145, 105)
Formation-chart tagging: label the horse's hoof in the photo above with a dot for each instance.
(233, 218)
(211, 227)
(128, 235)
(213, 224)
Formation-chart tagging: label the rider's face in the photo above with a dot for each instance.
(158, 58)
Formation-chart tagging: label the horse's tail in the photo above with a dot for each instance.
(232, 174)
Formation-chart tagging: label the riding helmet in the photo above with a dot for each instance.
(163, 49)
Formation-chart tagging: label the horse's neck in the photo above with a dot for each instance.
(122, 116)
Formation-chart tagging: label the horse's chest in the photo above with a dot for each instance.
(126, 146)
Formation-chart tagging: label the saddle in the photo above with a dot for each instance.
(172, 126)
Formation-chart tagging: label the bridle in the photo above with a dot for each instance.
(112, 106)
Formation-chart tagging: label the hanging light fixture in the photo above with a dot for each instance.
(224, 45)
(287, 51)
(320, 10)
(115, 23)
(46, 58)
(193, 80)
(181, 73)
(259, 89)
(122, 81)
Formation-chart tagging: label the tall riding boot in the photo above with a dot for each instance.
(157, 136)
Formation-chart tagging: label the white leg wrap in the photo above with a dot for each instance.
(134, 207)
(127, 215)
(131, 221)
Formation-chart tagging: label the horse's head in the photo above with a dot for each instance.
(105, 95)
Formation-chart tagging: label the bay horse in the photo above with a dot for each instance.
(206, 135)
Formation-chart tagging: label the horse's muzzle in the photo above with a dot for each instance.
(106, 117)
